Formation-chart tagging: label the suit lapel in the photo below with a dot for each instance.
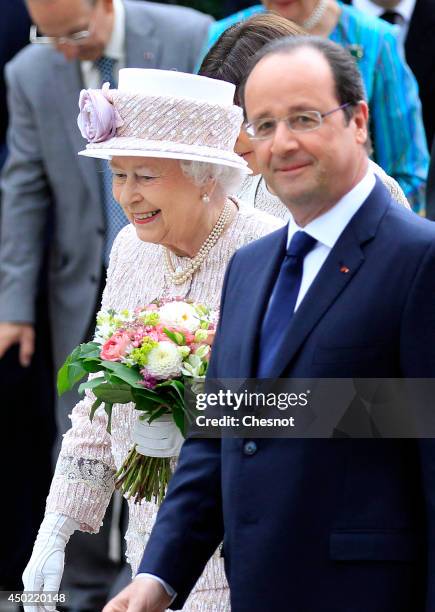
(66, 85)
(143, 48)
(334, 276)
(262, 279)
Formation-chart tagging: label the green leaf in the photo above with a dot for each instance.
(94, 408)
(178, 414)
(157, 413)
(91, 384)
(176, 337)
(90, 350)
(108, 408)
(69, 375)
(176, 385)
(128, 375)
(114, 394)
(92, 365)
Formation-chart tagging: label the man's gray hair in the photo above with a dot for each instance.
(228, 179)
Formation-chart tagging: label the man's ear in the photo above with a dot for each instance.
(361, 119)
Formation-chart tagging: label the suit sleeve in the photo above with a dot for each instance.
(189, 524)
(397, 124)
(25, 203)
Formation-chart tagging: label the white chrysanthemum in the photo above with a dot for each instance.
(164, 361)
(179, 314)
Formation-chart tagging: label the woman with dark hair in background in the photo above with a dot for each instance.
(228, 60)
(396, 125)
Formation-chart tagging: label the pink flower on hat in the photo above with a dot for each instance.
(98, 118)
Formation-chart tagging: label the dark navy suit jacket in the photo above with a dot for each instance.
(338, 525)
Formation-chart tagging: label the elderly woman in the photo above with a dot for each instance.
(396, 125)
(228, 60)
(170, 139)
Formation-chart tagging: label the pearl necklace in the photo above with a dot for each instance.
(316, 16)
(178, 278)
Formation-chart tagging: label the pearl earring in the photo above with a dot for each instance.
(205, 198)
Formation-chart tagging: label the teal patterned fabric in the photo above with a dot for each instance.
(395, 111)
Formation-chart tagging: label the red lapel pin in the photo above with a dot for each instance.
(344, 270)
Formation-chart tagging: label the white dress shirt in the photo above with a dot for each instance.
(115, 49)
(404, 8)
(327, 229)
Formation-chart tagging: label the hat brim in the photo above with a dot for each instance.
(223, 158)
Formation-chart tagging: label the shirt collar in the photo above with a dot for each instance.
(405, 8)
(327, 228)
(115, 46)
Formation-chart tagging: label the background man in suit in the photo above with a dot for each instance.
(311, 524)
(416, 22)
(22, 386)
(43, 178)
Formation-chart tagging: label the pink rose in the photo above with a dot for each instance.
(115, 347)
(98, 118)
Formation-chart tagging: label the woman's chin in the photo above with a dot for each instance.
(146, 234)
(249, 158)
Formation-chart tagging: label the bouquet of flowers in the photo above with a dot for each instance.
(146, 357)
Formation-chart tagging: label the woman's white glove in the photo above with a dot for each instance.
(160, 438)
(45, 568)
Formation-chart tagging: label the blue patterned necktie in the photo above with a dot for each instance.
(113, 213)
(282, 303)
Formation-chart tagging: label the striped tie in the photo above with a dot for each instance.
(113, 213)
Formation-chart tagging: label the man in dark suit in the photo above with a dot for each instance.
(323, 524)
(416, 25)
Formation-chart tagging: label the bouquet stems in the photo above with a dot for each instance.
(142, 477)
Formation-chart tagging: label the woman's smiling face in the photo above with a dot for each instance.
(156, 196)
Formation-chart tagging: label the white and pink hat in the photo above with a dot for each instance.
(162, 113)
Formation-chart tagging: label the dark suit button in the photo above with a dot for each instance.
(250, 448)
(100, 231)
(94, 279)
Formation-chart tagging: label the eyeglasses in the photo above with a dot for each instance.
(299, 121)
(36, 39)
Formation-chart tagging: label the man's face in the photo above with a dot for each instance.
(296, 10)
(315, 168)
(60, 19)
